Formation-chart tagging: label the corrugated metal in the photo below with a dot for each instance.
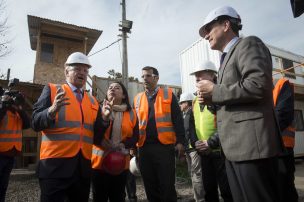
(299, 145)
(285, 54)
(192, 57)
(297, 59)
(299, 139)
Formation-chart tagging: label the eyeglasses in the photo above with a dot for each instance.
(148, 75)
(79, 69)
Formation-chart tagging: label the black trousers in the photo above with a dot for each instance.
(214, 176)
(131, 186)
(286, 177)
(253, 181)
(157, 167)
(73, 189)
(6, 166)
(108, 187)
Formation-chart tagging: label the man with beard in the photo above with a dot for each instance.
(161, 130)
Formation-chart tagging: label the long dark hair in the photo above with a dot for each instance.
(125, 93)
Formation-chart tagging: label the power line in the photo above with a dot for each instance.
(104, 48)
(119, 52)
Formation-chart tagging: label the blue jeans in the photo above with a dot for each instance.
(6, 166)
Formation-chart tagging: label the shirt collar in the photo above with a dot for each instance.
(154, 92)
(230, 44)
(74, 88)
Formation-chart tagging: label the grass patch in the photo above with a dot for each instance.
(182, 173)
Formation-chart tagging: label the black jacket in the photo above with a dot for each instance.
(284, 108)
(189, 128)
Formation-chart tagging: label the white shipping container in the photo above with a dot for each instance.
(192, 57)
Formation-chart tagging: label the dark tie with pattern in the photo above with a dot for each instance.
(79, 99)
(222, 59)
(78, 95)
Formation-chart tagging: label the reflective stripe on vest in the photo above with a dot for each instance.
(68, 135)
(127, 126)
(288, 135)
(162, 108)
(10, 132)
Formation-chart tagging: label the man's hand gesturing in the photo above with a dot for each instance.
(59, 101)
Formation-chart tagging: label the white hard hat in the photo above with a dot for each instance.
(186, 97)
(214, 14)
(205, 66)
(78, 57)
(134, 168)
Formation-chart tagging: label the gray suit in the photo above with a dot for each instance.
(246, 121)
(247, 127)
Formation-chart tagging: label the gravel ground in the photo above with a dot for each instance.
(25, 188)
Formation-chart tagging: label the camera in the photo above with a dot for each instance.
(16, 98)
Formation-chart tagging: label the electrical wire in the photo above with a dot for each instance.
(120, 52)
(104, 48)
(285, 70)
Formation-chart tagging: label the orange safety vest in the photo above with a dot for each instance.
(69, 134)
(288, 135)
(10, 132)
(127, 125)
(162, 108)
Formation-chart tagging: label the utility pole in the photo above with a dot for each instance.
(8, 74)
(126, 26)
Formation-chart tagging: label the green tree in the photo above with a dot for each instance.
(117, 75)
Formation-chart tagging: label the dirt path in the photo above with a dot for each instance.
(24, 186)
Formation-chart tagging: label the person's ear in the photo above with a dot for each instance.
(227, 25)
(66, 71)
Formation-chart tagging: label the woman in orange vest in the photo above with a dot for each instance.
(120, 136)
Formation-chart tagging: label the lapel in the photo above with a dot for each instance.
(227, 57)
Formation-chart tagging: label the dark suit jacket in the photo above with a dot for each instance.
(62, 167)
(246, 121)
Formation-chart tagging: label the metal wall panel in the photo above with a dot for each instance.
(192, 57)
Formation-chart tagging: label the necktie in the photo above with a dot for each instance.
(79, 99)
(78, 95)
(222, 58)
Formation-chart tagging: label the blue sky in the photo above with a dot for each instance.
(161, 30)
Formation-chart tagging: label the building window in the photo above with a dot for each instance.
(47, 52)
(287, 64)
(275, 62)
(298, 120)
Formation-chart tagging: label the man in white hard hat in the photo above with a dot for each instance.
(70, 121)
(248, 130)
(192, 157)
(206, 142)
